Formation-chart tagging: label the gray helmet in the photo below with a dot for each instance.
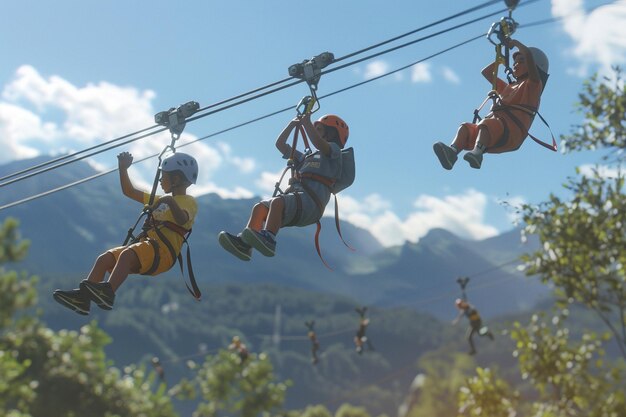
(540, 58)
(184, 163)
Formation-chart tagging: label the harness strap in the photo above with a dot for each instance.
(157, 258)
(184, 233)
(532, 111)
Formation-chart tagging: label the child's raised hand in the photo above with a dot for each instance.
(124, 160)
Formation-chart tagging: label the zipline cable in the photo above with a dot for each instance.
(34, 197)
(70, 155)
(198, 116)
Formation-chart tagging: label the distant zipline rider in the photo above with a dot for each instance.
(169, 219)
(468, 310)
(315, 343)
(515, 104)
(360, 339)
(314, 175)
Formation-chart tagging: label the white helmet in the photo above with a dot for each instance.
(181, 162)
(540, 58)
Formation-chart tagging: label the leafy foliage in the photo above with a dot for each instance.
(583, 252)
(571, 377)
(486, 395)
(583, 257)
(65, 373)
(603, 107)
(12, 247)
(226, 383)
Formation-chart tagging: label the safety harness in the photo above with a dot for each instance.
(503, 31)
(303, 180)
(175, 120)
(309, 71)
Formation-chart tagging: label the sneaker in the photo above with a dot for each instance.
(235, 245)
(475, 159)
(446, 154)
(261, 241)
(74, 300)
(100, 293)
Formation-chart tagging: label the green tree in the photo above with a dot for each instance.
(582, 256)
(316, 411)
(583, 238)
(602, 104)
(12, 247)
(444, 373)
(486, 395)
(65, 373)
(570, 376)
(347, 410)
(226, 384)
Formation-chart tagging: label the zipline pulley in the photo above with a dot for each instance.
(311, 72)
(503, 31)
(462, 281)
(175, 118)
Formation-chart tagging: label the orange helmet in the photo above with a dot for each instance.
(335, 121)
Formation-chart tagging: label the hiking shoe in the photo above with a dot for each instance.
(100, 293)
(475, 159)
(235, 245)
(74, 300)
(446, 154)
(261, 241)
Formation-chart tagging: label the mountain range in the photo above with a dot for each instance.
(69, 229)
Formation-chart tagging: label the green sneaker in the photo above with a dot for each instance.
(446, 154)
(74, 300)
(261, 241)
(100, 293)
(235, 245)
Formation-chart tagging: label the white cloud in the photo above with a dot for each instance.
(451, 76)
(267, 182)
(50, 115)
(461, 214)
(600, 36)
(96, 111)
(512, 204)
(420, 73)
(244, 165)
(375, 69)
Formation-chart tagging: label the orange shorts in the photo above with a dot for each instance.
(146, 254)
(498, 141)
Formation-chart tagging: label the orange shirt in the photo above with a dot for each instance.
(527, 93)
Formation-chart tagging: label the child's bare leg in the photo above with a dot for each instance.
(461, 138)
(275, 215)
(105, 263)
(257, 217)
(127, 263)
(483, 140)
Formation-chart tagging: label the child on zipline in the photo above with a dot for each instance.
(476, 323)
(360, 338)
(315, 344)
(157, 247)
(304, 201)
(506, 127)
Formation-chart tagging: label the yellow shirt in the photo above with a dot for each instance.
(163, 213)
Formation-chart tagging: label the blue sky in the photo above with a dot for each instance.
(75, 74)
